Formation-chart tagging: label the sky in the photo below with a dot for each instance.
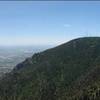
(47, 22)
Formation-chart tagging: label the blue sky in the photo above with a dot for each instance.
(47, 23)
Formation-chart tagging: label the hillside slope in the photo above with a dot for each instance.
(67, 72)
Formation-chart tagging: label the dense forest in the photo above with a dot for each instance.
(70, 71)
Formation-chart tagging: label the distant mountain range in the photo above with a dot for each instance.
(70, 71)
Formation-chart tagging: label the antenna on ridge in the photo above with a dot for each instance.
(87, 33)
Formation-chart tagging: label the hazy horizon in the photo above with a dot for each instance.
(47, 22)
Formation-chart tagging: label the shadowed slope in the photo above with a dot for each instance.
(55, 74)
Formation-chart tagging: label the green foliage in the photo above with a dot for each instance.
(67, 72)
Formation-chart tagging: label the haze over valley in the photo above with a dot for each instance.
(10, 56)
(49, 50)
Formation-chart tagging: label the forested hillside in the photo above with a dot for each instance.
(70, 71)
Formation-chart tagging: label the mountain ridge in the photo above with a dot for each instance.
(65, 72)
